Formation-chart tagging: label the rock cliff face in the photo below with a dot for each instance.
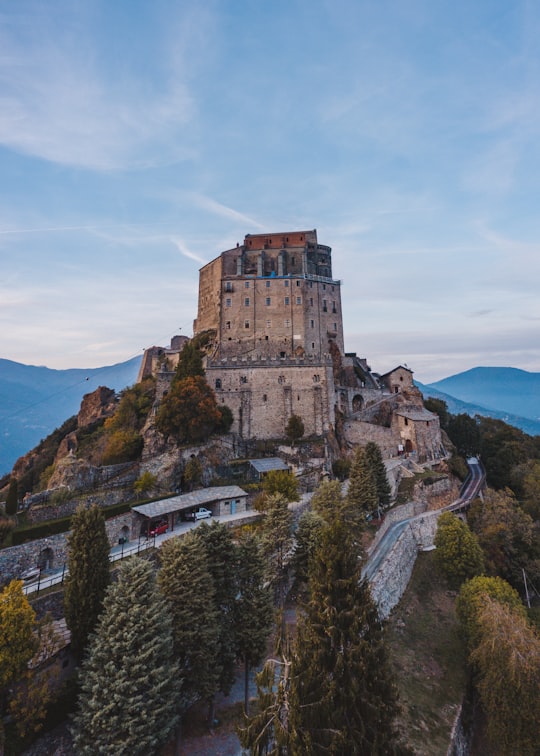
(95, 406)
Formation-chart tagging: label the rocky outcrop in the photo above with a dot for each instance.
(99, 404)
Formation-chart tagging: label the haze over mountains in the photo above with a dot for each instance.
(36, 400)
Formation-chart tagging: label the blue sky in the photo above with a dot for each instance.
(138, 140)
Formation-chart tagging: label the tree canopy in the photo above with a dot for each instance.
(281, 482)
(189, 412)
(128, 705)
(458, 553)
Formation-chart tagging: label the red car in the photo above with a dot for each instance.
(161, 527)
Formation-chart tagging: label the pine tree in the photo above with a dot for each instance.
(295, 428)
(185, 581)
(374, 456)
(327, 500)
(342, 698)
(89, 574)
(361, 495)
(277, 541)
(129, 683)
(307, 536)
(221, 553)
(12, 497)
(190, 362)
(253, 611)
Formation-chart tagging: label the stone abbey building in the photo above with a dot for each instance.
(271, 311)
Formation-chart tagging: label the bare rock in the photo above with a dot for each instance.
(95, 406)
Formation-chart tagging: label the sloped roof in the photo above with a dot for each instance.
(268, 464)
(399, 367)
(416, 413)
(164, 507)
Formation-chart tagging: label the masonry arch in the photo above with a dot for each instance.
(408, 446)
(357, 403)
(46, 559)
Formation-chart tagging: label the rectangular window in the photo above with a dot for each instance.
(246, 301)
(325, 308)
(334, 307)
(287, 300)
(312, 323)
(246, 284)
(298, 300)
(286, 284)
(287, 323)
(267, 301)
(335, 326)
(268, 284)
(324, 287)
(228, 286)
(311, 301)
(246, 323)
(228, 325)
(228, 302)
(298, 283)
(269, 324)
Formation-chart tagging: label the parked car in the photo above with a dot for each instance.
(161, 527)
(199, 514)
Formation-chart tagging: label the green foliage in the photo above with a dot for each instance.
(12, 497)
(253, 608)
(472, 597)
(221, 554)
(89, 574)
(342, 695)
(133, 408)
(122, 446)
(282, 483)
(327, 500)
(458, 553)
(464, 432)
(189, 412)
(361, 495)
(308, 535)
(507, 658)
(295, 428)
(145, 483)
(277, 541)
(458, 467)
(508, 536)
(193, 472)
(190, 362)
(440, 408)
(17, 639)
(226, 419)
(375, 460)
(341, 468)
(185, 581)
(6, 526)
(129, 683)
(503, 448)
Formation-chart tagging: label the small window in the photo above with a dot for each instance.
(286, 284)
(268, 284)
(246, 323)
(324, 306)
(298, 283)
(246, 284)
(312, 323)
(313, 345)
(268, 301)
(292, 261)
(287, 300)
(228, 302)
(228, 325)
(298, 300)
(264, 397)
(246, 302)
(324, 287)
(406, 421)
(335, 326)
(269, 324)
(287, 323)
(334, 307)
(311, 301)
(243, 379)
(228, 286)
(218, 383)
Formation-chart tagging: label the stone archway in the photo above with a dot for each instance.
(46, 559)
(408, 446)
(124, 534)
(357, 403)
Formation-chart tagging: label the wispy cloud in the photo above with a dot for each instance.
(181, 246)
(223, 211)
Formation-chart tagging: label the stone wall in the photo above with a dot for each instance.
(390, 581)
(51, 552)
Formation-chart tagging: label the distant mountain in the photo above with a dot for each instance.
(503, 389)
(506, 380)
(36, 400)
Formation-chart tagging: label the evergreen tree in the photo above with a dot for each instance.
(12, 497)
(458, 552)
(190, 362)
(361, 495)
(294, 428)
(221, 553)
(374, 456)
(129, 683)
(327, 500)
(277, 541)
(185, 581)
(342, 698)
(308, 534)
(88, 576)
(254, 610)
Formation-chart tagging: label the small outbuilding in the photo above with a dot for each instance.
(259, 468)
(221, 500)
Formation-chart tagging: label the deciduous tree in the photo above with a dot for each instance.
(281, 482)
(88, 576)
(458, 552)
(128, 704)
(189, 412)
(294, 429)
(17, 640)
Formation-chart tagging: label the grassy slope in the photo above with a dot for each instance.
(429, 659)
